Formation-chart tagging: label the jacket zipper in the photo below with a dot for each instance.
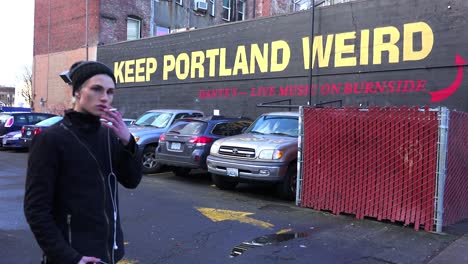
(69, 229)
(103, 189)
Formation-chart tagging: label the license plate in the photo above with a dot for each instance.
(28, 133)
(175, 145)
(4, 141)
(232, 172)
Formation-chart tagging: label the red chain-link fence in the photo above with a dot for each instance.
(376, 162)
(456, 182)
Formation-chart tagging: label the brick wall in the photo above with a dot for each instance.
(114, 20)
(60, 25)
(47, 82)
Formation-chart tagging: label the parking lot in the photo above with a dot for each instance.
(170, 219)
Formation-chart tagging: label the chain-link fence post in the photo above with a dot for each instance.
(300, 156)
(443, 117)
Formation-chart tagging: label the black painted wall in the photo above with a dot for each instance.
(438, 78)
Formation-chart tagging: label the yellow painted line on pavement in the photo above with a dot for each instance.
(154, 174)
(218, 215)
(127, 261)
(282, 231)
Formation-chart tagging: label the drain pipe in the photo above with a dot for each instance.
(313, 4)
(152, 19)
(443, 116)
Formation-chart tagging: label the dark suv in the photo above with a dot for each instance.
(187, 143)
(147, 129)
(14, 121)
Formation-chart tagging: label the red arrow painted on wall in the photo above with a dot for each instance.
(443, 94)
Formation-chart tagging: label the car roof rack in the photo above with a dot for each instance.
(214, 117)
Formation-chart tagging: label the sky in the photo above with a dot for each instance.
(16, 44)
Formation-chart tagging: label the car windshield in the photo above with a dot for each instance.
(275, 125)
(49, 121)
(154, 119)
(128, 122)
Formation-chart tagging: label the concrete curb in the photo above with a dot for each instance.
(455, 253)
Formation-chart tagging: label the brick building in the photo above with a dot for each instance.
(66, 31)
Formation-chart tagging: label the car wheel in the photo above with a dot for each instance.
(181, 172)
(287, 188)
(148, 159)
(223, 182)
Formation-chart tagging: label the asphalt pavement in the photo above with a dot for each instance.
(164, 223)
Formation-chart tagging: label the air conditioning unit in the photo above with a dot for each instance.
(201, 5)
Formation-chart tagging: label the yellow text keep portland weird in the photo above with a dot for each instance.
(341, 49)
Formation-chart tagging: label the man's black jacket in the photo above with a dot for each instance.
(69, 187)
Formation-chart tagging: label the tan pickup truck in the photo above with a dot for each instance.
(265, 152)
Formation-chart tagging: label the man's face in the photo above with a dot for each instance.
(95, 95)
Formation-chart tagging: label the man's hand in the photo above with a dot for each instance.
(117, 125)
(86, 260)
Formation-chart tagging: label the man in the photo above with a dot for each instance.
(71, 198)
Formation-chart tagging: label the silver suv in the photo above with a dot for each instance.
(147, 129)
(266, 151)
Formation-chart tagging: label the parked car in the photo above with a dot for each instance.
(187, 143)
(12, 140)
(29, 131)
(128, 121)
(265, 152)
(15, 120)
(147, 129)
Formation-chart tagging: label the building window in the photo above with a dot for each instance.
(212, 8)
(160, 31)
(301, 5)
(179, 2)
(240, 10)
(133, 28)
(334, 2)
(227, 10)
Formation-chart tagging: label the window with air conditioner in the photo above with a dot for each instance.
(201, 5)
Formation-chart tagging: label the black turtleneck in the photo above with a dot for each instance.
(83, 121)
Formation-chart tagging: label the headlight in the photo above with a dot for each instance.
(136, 138)
(17, 136)
(270, 154)
(215, 148)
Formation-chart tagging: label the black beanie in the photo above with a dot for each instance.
(81, 71)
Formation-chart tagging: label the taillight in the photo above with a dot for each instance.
(162, 138)
(22, 131)
(9, 122)
(200, 140)
(37, 131)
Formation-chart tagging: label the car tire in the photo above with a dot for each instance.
(148, 160)
(181, 172)
(223, 182)
(287, 188)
